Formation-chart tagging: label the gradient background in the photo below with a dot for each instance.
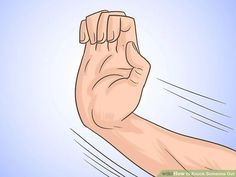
(189, 43)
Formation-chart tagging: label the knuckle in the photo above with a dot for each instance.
(117, 13)
(103, 15)
(82, 22)
(96, 13)
(102, 11)
(149, 66)
(82, 25)
(114, 19)
(89, 17)
(131, 21)
(89, 21)
(95, 16)
(102, 22)
(127, 23)
(110, 19)
(122, 12)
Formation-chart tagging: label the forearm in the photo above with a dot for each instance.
(109, 86)
(154, 148)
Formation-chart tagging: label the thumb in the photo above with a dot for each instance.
(141, 66)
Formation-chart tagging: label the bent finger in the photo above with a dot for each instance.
(91, 24)
(103, 23)
(83, 34)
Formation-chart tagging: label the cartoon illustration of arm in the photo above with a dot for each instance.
(109, 86)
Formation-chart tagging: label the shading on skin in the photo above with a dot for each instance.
(109, 86)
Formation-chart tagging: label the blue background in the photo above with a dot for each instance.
(188, 43)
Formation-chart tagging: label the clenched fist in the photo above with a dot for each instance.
(109, 85)
(112, 72)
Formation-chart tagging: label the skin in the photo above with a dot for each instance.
(109, 86)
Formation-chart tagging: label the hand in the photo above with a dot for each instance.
(112, 73)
